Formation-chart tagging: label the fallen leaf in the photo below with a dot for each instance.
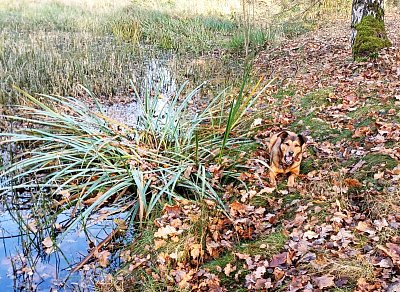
(260, 271)
(236, 206)
(103, 258)
(32, 226)
(324, 281)
(385, 263)
(47, 242)
(396, 170)
(164, 232)
(256, 122)
(310, 235)
(159, 243)
(278, 274)
(266, 190)
(278, 260)
(195, 250)
(172, 210)
(365, 227)
(352, 182)
(379, 175)
(229, 269)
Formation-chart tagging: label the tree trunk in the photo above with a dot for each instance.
(368, 30)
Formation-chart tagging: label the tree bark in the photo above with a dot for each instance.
(373, 26)
(363, 8)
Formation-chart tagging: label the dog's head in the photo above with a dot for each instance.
(291, 146)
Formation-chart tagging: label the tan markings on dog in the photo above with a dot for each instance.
(286, 152)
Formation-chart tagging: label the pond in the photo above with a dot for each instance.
(28, 219)
(30, 261)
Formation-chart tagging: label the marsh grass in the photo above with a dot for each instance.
(83, 159)
(51, 46)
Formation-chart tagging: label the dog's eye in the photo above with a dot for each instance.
(287, 144)
(297, 145)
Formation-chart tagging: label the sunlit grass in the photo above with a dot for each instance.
(51, 46)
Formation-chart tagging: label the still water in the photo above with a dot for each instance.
(26, 262)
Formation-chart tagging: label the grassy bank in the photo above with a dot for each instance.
(51, 46)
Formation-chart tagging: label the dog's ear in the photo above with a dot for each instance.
(283, 135)
(303, 141)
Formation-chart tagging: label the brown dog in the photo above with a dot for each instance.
(286, 151)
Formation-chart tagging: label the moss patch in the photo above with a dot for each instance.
(316, 99)
(265, 245)
(371, 37)
(374, 163)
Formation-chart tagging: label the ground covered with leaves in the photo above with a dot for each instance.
(338, 229)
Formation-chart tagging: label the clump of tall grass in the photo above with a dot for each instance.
(127, 31)
(83, 159)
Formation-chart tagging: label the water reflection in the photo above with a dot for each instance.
(28, 218)
(26, 265)
(158, 81)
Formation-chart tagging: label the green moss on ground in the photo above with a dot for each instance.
(370, 38)
(374, 163)
(266, 245)
(317, 98)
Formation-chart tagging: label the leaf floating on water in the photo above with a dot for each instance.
(103, 258)
(48, 244)
(32, 226)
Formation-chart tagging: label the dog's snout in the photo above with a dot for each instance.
(290, 153)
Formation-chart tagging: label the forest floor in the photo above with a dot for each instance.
(338, 229)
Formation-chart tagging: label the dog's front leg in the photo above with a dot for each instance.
(272, 176)
(293, 174)
(291, 179)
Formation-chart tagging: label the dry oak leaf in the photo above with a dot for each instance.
(159, 243)
(396, 170)
(259, 272)
(379, 175)
(172, 210)
(238, 207)
(278, 274)
(352, 182)
(182, 278)
(278, 259)
(263, 284)
(343, 237)
(361, 131)
(164, 232)
(266, 190)
(324, 281)
(365, 227)
(392, 250)
(229, 269)
(310, 235)
(103, 258)
(195, 250)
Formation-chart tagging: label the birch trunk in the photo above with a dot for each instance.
(363, 8)
(374, 9)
